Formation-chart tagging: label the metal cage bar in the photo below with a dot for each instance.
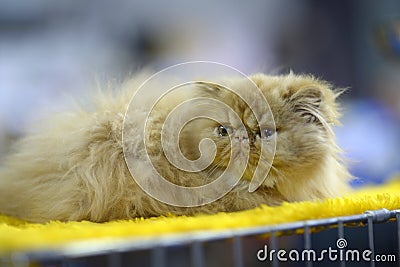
(371, 237)
(274, 245)
(237, 251)
(398, 234)
(341, 235)
(197, 254)
(307, 240)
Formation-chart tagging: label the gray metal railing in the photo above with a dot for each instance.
(159, 249)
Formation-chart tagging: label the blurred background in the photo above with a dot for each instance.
(53, 49)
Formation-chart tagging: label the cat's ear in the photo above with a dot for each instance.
(307, 102)
(208, 86)
(315, 103)
(208, 89)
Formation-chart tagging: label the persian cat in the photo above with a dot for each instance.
(73, 168)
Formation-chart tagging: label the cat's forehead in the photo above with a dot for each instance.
(252, 114)
(271, 88)
(249, 102)
(265, 98)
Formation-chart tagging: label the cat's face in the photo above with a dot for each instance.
(303, 111)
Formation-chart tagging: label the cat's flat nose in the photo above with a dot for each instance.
(241, 138)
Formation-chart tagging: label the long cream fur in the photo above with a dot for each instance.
(73, 168)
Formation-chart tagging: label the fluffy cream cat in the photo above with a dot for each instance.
(74, 168)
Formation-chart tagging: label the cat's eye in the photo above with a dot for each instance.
(267, 133)
(224, 130)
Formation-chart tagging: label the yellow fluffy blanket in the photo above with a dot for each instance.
(18, 235)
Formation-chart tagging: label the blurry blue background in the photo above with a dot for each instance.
(50, 49)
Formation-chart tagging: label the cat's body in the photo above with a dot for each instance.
(74, 168)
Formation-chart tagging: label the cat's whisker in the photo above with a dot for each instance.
(265, 164)
(319, 116)
(214, 168)
(219, 163)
